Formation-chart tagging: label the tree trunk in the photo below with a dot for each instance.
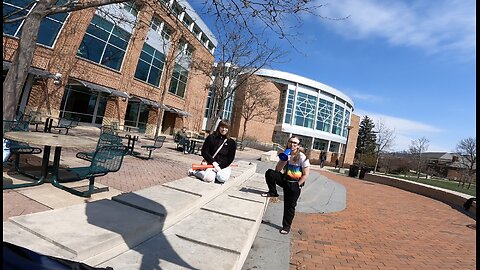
(159, 121)
(376, 164)
(244, 132)
(22, 60)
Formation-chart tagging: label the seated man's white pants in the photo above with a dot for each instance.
(209, 175)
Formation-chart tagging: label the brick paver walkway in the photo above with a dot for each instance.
(383, 227)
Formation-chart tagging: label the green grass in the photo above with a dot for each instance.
(441, 183)
(436, 182)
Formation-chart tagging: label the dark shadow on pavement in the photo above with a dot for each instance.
(148, 261)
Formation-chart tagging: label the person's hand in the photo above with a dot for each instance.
(216, 167)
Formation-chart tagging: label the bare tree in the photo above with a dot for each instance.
(385, 139)
(417, 147)
(272, 13)
(256, 103)
(467, 151)
(22, 59)
(240, 56)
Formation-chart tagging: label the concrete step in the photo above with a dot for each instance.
(218, 235)
(98, 231)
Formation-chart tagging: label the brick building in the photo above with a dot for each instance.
(118, 64)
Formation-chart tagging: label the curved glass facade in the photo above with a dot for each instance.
(318, 113)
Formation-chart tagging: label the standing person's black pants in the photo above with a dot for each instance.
(291, 192)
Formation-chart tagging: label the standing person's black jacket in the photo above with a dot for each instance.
(226, 155)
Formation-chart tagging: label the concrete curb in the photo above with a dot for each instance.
(444, 195)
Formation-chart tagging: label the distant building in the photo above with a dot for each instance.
(319, 114)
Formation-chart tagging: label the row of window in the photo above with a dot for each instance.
(106, 43)
(302, 112)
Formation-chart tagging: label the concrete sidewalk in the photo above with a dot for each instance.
(185, 223)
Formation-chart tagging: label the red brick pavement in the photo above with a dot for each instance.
(383, 227)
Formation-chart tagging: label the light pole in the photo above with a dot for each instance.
(345, 148)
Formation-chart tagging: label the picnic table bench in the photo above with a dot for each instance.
(65, 124)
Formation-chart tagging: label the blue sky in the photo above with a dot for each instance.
(411, 64)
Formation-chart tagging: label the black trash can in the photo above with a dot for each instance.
(364, 170)
(353, 171)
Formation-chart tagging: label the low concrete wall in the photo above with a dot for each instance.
(444, 195)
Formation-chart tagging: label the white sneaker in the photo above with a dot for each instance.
(190, 172)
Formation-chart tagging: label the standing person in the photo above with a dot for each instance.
(336, 163)
(217, 150)
(296, 170)
(323, 157)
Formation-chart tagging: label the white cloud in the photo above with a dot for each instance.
(435, 26)
(367, 97)
(405, 130)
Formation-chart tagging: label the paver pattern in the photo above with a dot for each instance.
(383, 227)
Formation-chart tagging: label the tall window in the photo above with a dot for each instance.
(49, 27)
(337, 120)
(150, 65)
(324, 116)
(104, 43)
(210, 103)
(131, 8)
(227, 106)
(136, 115)
(289, 110)
(178, 83)
(346, 121)
(305, 110)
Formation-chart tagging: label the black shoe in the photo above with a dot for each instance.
(268, 194)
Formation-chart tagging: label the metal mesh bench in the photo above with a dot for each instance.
(106, 159)
(159, 140)
(65, 124)
(104, 140)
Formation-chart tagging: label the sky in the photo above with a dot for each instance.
(409, 64)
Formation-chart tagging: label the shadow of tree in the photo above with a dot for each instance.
(131, 229)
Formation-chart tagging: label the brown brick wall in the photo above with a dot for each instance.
(62, 59)
(258, 128)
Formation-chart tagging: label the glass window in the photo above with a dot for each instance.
(79, 102)
(136, 114)
(49, 27)
(289, 110)
(104, 43)
(187, 21)
(334, 147)
(156, 24)
(346, 122)
(305, 110)
(209, 106)
(324, 115)
(281, 106)
(337, 120)
(131, 8)
(320, 144)
(178, 81)
(150, 65)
